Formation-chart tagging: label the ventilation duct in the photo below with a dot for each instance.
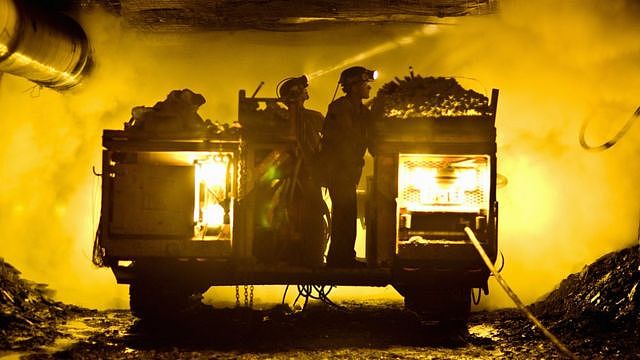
(51, 50)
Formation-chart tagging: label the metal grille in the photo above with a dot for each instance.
(443, 182)
(472, 198)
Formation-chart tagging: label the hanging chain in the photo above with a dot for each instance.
(242, 179)
(248, 296)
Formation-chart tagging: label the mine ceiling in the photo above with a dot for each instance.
(277, 15)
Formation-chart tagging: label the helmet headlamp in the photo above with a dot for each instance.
(293, 87)
(356, 74)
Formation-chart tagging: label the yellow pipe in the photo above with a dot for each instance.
(50, 50)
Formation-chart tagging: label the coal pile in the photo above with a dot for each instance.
(603, 293)
(595, 312)
(418, 97)
(604, 298)
(28, 315)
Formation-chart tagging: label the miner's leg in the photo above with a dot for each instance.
(343, 230)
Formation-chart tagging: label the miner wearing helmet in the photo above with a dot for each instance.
(294, 93)
(307, 124)
(344, 143)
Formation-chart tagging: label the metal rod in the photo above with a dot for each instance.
(563, 349)
(257, 89)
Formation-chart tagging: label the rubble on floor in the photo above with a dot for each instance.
(595, 312)
(28, 315)
(604, 294)
(600, 305)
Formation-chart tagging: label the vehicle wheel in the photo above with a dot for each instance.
(150, 301)
(449, 306)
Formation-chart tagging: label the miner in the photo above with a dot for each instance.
(344, 143)
(294, 92)
(308, 125)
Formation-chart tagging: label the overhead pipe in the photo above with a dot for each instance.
(51, 50)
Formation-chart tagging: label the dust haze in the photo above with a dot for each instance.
(556, 64)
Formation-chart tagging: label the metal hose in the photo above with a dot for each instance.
(51, 50)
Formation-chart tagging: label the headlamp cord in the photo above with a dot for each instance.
(279, 84)
(335, 92)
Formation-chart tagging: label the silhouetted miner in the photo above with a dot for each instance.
(311, 206)
(294, 92)
(344, 143)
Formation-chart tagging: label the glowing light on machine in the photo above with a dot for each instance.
(436, 183)
(212, 210)
(213, 215)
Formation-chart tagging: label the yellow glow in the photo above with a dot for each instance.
(426, 30)
(588, 68)
(60, 210)
(18, 209)
(442, 186)
(212, 175)
(422, 178)
(213, 215)
(467, 179)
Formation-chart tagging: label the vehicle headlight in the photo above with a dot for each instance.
(213, 176)
(436, 183)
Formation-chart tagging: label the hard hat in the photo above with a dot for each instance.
(292, 88)
(357, 73)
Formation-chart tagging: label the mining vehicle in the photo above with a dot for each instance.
(187, 207)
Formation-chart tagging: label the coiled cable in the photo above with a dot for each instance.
(315, 292)
(623, 131)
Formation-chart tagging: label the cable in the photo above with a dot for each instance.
(335, 92)
(623, 131)
(284, 296)
(484, 88)
(613, 140)
(502, 262)
(98, 251)
(34, 91)
(639, 244)
(563, 349)
(279, 84)
(501, 181)
(315, 292)
(324, 296)
(607, 145)
(473, 297)
(97, 256)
